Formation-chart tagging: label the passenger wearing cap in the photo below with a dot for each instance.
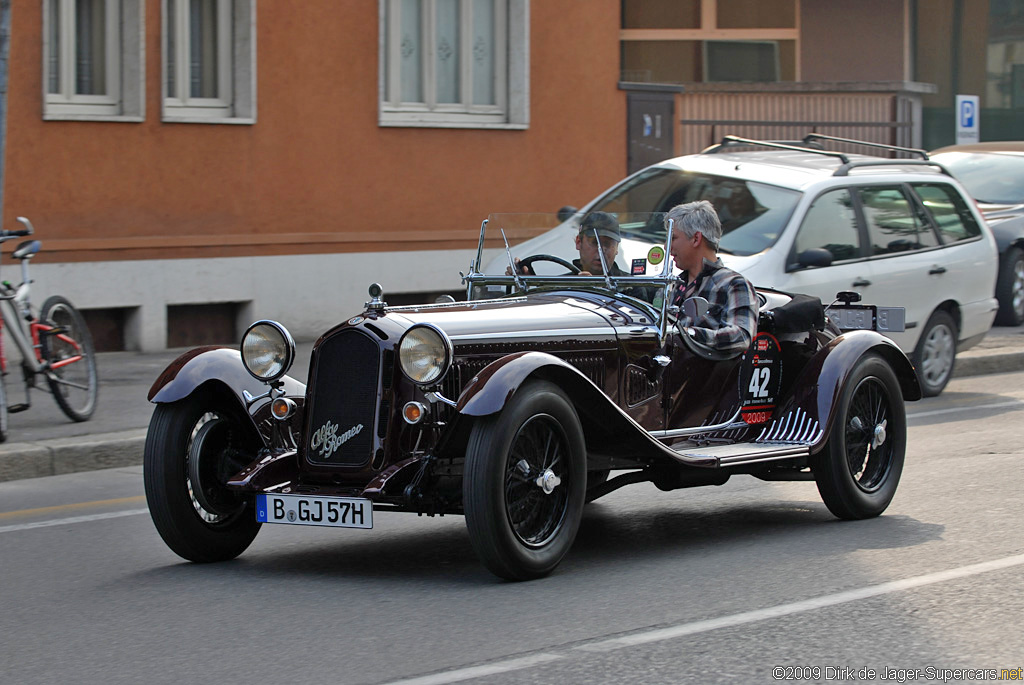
(730, 322)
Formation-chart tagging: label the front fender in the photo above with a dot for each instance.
(213, 363)
(491, 389)
(818, 388)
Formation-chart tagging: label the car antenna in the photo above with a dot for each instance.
(511, 262)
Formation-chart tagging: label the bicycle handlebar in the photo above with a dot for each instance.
(20, 232)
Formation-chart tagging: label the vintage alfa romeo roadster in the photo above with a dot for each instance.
(518, 406)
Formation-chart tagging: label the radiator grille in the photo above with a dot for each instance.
(342, 406)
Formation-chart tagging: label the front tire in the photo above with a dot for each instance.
(192, 449)
(935, 354)
(525, 482)
(1010, 288)
(858, 470)
(74, 384)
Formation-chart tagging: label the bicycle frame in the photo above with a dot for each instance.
(27, 338)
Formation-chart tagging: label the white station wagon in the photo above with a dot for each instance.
(801, 218)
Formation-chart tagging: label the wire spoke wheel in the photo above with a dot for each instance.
(535, 461)
(859, 468)
(68, 352)
(869, 450)
(524, 482)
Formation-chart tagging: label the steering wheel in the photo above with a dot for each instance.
(528, 262)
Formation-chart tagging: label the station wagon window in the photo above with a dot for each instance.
(92, 66)
(893, 221)
(753, 214)
(830, 224)
(454, 63)
(950, 211)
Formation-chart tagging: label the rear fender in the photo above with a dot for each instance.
(222, 365)
(818, 388)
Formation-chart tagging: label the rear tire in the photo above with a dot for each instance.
(858, 470)
(524, 483)
(1010, 288)
(3, 410)
(75, 385)
(192, 449)
(935, 355)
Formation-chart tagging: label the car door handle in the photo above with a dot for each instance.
(861, 283)
(937, 270)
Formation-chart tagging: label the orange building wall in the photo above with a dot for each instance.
(315, 173)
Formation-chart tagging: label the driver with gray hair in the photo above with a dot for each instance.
(730, 323)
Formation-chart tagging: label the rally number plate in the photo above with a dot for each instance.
(306, 510)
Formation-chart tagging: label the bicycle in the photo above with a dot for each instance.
(55, 344)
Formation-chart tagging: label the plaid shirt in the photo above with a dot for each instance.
(731, 320)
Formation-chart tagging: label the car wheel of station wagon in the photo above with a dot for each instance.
(524, 483)
(1010, 288)
(936, 353)
(191, 451)
(859, 468)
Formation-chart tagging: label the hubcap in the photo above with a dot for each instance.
(937, 355)
(1018, 288)
(548, 481)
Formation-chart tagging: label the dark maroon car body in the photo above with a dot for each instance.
(651, 405)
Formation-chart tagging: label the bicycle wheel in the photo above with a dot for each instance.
(68, 352)
(3, 410)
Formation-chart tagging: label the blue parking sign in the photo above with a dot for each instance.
(967, 119)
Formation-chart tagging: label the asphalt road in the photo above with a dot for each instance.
(708, 585)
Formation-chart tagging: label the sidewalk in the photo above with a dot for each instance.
(43, 442)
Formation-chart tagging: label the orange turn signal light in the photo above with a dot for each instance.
(413, 412)
(282, 408)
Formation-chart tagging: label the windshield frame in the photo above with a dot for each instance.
(525, 284)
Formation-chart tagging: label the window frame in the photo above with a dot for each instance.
(236, 66)
(124, 60)
(511, 63)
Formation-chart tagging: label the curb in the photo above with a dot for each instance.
(981, 364)
(20, 460)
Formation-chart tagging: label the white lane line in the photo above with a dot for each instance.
(481, 671)
(72, 519)
(966, 408)
(684, 629)
(799, 607)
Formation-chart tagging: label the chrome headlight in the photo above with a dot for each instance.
(267, 350)
(425, 354)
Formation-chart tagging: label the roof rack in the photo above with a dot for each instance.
(844, 170)
(733, 141)
(811, 137)
(847, 165)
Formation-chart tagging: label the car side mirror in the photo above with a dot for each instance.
(816, 257)
(695, 307)
(567, 212)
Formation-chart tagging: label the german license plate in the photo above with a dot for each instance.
(307, 510)
(868, 318)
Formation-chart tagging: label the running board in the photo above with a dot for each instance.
(742, 452)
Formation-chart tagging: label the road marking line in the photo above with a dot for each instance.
(799, 607)
(684, 629)
(960, 410)
(72, 519)
(481, 671)
(69, 507)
